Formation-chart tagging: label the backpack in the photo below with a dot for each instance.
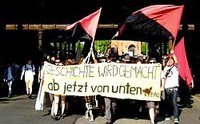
(14, 71)
(32, 67)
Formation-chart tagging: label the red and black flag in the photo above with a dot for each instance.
(152, 22)
(85, 29)
(184, 69)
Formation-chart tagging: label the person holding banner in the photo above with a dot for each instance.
(171, 85)
(66, 112)
(153, 106)
(50, 96)
(110, 103)
(58, 99)
(89, 100)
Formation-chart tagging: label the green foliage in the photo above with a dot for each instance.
(79, 46)
(144, 47)
(101, 45)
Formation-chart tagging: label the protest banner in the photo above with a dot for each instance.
(124, 81)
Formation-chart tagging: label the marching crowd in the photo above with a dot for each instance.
(111, 108)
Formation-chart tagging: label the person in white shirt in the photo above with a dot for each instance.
(28, 71)
(171, 84)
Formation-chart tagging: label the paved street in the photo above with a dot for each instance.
(20, 110)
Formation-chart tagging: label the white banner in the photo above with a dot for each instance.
(131, 81)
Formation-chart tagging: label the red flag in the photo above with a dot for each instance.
(88, 23)
(184, 69)
(154, 20)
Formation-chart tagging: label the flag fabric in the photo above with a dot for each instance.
(152, 22)
(88, 23)
(85, 30)
(184, 69)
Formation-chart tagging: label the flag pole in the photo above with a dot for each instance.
(171, 43)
